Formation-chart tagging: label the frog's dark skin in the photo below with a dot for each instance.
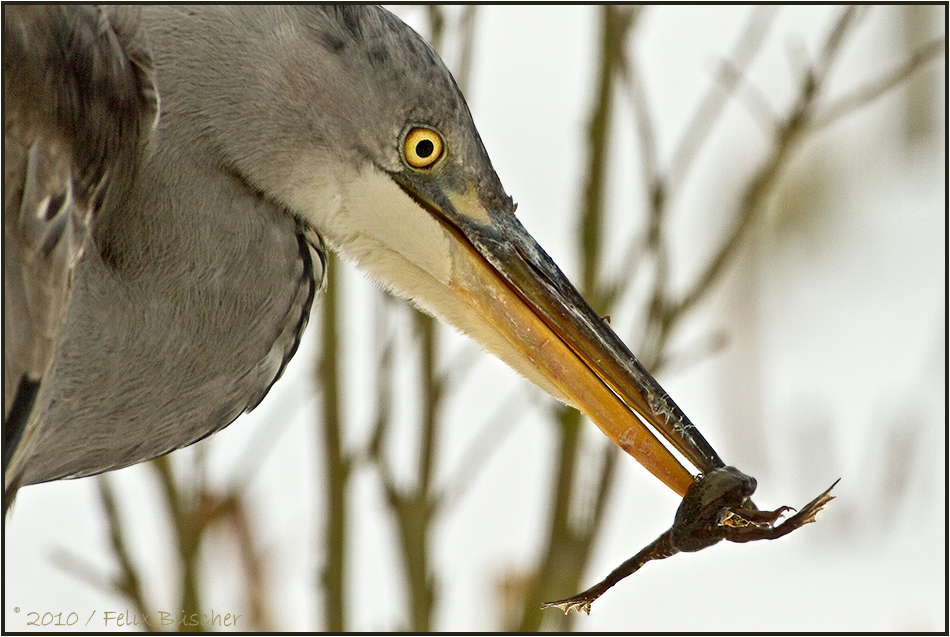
(716, 507)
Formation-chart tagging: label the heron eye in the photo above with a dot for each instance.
(422, 148)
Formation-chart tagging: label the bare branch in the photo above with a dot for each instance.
(501, 424)
(187, 534)
(749, 94)
(567, 548)
(843, 26)
(84, 570)
(661, 187)
(879, 86)
(705, 116)
(263, 441)
(129, 581)
(326, 377)
(467, 47)
(787, 139)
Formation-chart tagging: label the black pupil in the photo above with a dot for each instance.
(425, 148)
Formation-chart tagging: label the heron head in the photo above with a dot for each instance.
(356, 127)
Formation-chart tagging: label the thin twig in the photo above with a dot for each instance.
(877, 87)
(501, 424)
(649, 158)
(789, 135)
(327, 373)
(231, 509)
(568, 547)
(257, 451)
(129, 582)
(466, 56)
(381, 421)
(83, 570)
(662, 187)
(457, 369)
(845, 24)
(750, 96)
(187, 536)
(619, 23)
(710, 108)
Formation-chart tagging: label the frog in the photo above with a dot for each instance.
(717, 506)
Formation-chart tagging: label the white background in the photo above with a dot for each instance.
(833, 366)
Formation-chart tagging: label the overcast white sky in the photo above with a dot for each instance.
(834, 366)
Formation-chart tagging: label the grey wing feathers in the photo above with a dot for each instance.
(79, 100)
(312, 279)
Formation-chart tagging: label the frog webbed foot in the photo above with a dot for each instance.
(767, 532)
(580, 603)
(743, 516)
(658, 549)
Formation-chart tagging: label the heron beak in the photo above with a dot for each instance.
(509, 279)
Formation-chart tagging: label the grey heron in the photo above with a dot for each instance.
(155, 288)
